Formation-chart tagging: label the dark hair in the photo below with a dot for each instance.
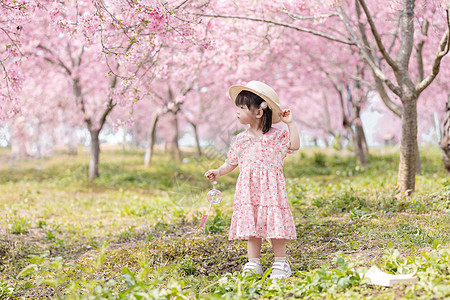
(254, 101)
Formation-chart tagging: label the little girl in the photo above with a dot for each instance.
(261, 208)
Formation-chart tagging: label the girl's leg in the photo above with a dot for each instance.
(254, 247)
(254, 253)
(279, 247)
(280, 268)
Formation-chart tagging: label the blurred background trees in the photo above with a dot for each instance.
(355, 73)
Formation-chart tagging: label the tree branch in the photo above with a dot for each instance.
(60, 62)
(80, 56)
(69, 52)
(302, 29)
(111, 103)
(377, 37)
(108, 109)
(79, 99)
(394, 107)
(14, 43)
(316, 126)
(6, 80)
(309, 18)
(395, 37)
(443, 49)
(180, 5)
(367, 56)
(419, 50)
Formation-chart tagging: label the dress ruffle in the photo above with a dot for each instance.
(271, 222)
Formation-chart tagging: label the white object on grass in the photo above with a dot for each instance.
(378, 277)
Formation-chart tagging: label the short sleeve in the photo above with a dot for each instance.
(285, 142)
(232, 155)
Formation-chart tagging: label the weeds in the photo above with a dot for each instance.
(20, 225)
(344, 280)
(149, 216)
(215, 225)
(7, 291)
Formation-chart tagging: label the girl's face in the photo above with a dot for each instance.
(246, 115)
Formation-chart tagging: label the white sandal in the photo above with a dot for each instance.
(280, 270)
(252, 268)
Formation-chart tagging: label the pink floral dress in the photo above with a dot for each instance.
(261, 207)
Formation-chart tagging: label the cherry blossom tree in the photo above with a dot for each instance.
(291, 66)
(181, 56)
(378, 32)
(185, 104)
(13, 14)
(108, 52)
(45, 113)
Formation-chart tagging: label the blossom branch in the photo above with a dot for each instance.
(302, 29)
(443, 49)
(58, 62)
(419, 50)
(309, 18)
(364, 47)
(377, 37)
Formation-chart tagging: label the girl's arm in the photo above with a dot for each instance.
(224, 169)
(294, 138)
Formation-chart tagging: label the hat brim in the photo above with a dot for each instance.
(275, 107)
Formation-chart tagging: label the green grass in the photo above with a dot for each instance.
(133, 230)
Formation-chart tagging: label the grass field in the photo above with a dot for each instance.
(132, 232)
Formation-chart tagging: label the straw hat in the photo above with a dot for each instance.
(262, 90)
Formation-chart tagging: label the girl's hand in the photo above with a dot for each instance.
(212, 174)
(286, 116)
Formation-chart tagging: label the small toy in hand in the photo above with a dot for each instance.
(214, 197)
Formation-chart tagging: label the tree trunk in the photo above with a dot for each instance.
(151, 142)
(197, 139)
(362, 136)
(444, 143)
(124, 140)
(95, 154)
(357, 139)
(418, 164)
(408, 150)
(18, 139)
(316, 142)
(355, 136)
(353, 125)
(176, 137)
